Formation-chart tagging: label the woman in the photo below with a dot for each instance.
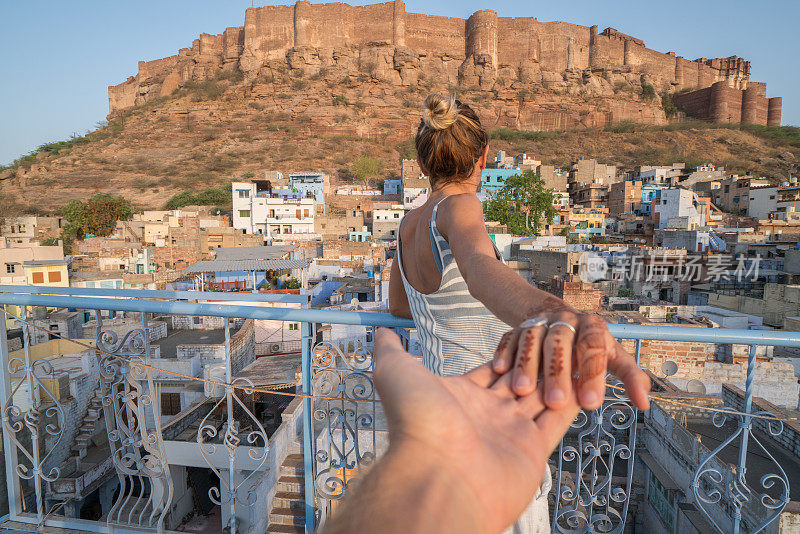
(449, 277)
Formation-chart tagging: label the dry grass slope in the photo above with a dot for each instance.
(206, 134)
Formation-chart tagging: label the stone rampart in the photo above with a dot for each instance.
(396, 46)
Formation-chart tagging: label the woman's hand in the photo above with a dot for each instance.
(574, 345)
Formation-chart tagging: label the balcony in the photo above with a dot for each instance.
(98, 443)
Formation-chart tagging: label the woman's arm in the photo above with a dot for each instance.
(584, 337)
(398, 300)
(496, 285)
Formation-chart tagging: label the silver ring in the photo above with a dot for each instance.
(533, 322)
(563, 323)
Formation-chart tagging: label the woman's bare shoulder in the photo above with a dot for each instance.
(456, 207)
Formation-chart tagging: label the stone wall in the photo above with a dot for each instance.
(398, 47)
(724, 103)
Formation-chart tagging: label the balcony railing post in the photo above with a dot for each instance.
(745, 423)
(308, 426)
(229, 429)
(9, 448)
(33, 422)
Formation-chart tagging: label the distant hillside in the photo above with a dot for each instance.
(207, 133)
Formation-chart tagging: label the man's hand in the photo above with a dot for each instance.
(487, 446)
(564, 355)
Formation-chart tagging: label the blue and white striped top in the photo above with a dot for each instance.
(456, 330)
(458, 333)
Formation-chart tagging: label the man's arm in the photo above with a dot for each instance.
(466, 455)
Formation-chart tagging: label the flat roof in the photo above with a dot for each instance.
(275, 371)
(211, 266)
(34, 263)
(169, 344)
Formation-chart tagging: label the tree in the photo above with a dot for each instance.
(365, 167)
(522, 204)
(97, 216)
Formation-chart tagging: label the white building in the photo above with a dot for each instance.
(386, 219)
(561, 199)
(678, 208)
(763, 201)
(415, 192)
(258, 212)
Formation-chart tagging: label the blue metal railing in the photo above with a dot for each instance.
(177, 303)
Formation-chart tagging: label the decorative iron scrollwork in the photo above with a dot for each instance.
(346, 416)
(30, 415)
(131, 407)
(587, 498)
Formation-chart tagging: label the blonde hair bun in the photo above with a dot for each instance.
(439, 112)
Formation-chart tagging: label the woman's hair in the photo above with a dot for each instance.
(450, 139)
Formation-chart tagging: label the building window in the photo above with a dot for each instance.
(292, 326)
(396, 215)
(37, 277)
(54, 276)
(197, 320)
(243, 193)
(244, 213)
(170, 403)
(11, 268)
(305, 213)
(662, 500)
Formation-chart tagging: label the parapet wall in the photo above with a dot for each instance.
(724, 103)
(484, 44)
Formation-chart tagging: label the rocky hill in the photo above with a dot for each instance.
(279, 93)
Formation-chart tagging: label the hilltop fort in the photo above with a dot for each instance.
(483, 52)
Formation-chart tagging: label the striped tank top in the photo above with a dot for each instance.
(458, 333)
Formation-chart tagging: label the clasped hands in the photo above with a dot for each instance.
(467, 453)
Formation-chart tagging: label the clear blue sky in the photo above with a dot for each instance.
(60, 56)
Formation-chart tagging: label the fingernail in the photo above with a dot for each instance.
(555, 396)
(523, 382)
(499, 365)
(589, 398)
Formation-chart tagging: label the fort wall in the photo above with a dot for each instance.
(485, 47)
(725, 103)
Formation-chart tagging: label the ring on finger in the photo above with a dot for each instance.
(563, 323)
(533, 322)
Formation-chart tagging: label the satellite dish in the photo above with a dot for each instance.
(696, 386)
(669, 368)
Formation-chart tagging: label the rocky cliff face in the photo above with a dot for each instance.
(529, 74)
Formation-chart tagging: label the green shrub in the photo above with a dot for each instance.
(365, 167)
(507, 134)
(340, 100)
(204, 90)
(626, 126)
(212, 196)
(670, 109)
(407, 149)
(648, 91)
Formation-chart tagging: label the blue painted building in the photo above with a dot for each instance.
(649, 192)
(309, 185)
(492, 180)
